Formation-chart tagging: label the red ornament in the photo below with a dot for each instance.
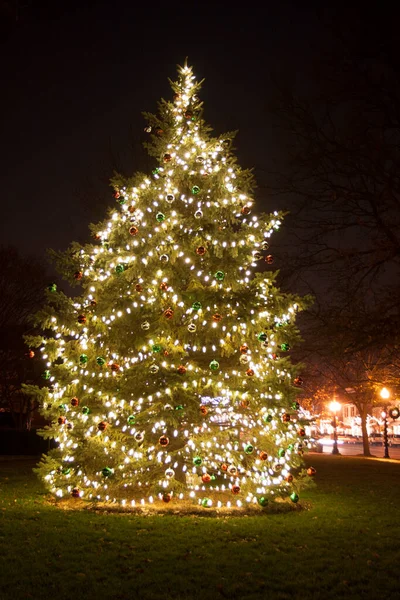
(169, 313)
(298, 382)
(289, 478)
(78, 275)
(132, 208)
(81, 319)
(203, 410)
(217, 317)
(133, 230)
(224, 467)
(114, 367)
(286, 418)
(61, 420)
(76, 493)
(244, 403)
(74, 401)
(311, 471)
(250, 372)
(176, 97)
(117, 194)
(274, 356)
(263, 455)
(158, 131)
(182, 369)
(138, 287)
(302, 432)
(188, 114)
(93, 303)
(269, 259)
(235, 489)
(164, 286)
(163, 441)
(206, 478)
(201, 250)
(166, 497)
(244, 349)
(30, 354)
(245, 210)
(102, 426)
(167, 158)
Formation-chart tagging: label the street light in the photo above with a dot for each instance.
(334, 407)
(385, 394)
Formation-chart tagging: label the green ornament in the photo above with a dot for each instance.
(281, 452)
(160, 217)
(197, 461)
(262, 501)
(85, 410)
(63, 407)
(46, 374)
(179, 407)
(66, 471)
(294, 497)
(219, 275)
(120, 268)
(214, 365)
(195, 189)
(213, 477)
(122, 199)
(156, 348)
(100, 361)
(107, 472)
(249, 449)
(262, 337)
(295, 406)
(52, 287)
(206, 503)
(196, 305)
(285, 347)
(156, 171)
(131, 420)
(267, 418)
(83, 359)
(291, 447)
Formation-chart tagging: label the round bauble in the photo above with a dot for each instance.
(244, 359)
(131, 420)
(120, 268)
(85, 410)
(203, 410)
(30, 354)
(107, 472)
(102, 426)
(294, 497)
(206, 478)
(74, 401)
(249, 372)
(154, 369)
(164, 286)
(83, 359)
(265, 245)
(139, 287)
(160, 217)
(289, 478)
(166, 497)
(285, 418)
(206, 503)
(214, 365)
(263, 455)
(196, 306)
(249, 449)
(133, 230)
(100, 361)
(170, 198)
(164, 258)
(219, 275)
(267, 418)
(198, 214)
(217, 317)
(76, 493)
(235, 489)
(298, 382)
(78, 275)
(139, 436)
(52, 287)
(145, 326)
(246, 210)
(61, 420)
(262, 501)
(195, 189)
(262, 337)
(301, 432)
(169, 473)
(311, 471)
(257, 255)
(169, 313)
(167, 158)
(197, 461)
(269, 259)
(200, 250)
(232, 470)
(191, 328)
(163, 440)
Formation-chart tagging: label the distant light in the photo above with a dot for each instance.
(385, 394)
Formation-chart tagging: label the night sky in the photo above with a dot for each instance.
(76, 79)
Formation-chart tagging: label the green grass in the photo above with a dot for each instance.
(345, 544)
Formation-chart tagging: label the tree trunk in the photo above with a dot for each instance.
(366, 450)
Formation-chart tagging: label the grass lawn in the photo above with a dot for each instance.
(346, 544)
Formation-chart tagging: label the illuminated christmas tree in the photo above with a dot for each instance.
(168, 378)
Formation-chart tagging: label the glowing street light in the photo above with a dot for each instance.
(385, 395)
(334, 407)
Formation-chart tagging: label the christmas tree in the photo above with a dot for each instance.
(169, 378)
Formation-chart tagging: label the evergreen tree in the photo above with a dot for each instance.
(168, 377)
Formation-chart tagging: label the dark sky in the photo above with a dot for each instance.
(76, 78)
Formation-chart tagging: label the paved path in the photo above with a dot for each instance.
(354, 449)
